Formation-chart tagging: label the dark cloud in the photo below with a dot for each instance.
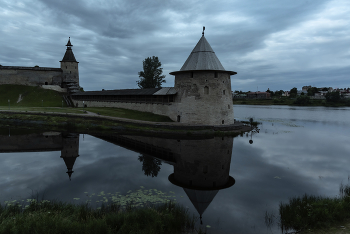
(270, 44)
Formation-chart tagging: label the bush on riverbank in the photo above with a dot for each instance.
(311, 212)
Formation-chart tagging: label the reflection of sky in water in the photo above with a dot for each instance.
(298, 150)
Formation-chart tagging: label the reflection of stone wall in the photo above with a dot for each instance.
(30, 143)
(31, 76)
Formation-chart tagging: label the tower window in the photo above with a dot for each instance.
(191, 75)
(206, 90)
(228, 106)
(223, 92)
(215, 75)
(66, 67)
(222, 122)
(70, 72)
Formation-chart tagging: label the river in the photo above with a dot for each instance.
(232, 183)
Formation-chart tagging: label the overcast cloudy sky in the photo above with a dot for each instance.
(276, 44)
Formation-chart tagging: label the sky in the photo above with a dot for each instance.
(275, 44)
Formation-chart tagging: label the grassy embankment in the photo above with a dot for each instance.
(289, 102)
(311, 214)
(43, 100)
(143, 211)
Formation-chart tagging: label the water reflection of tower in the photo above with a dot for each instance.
(70, 150)
(202, 169)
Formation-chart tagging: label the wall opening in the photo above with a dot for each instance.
(215, 75)
(191, 75)
(46, 83)
(228, 106)
(223, 92)
(206, 90)
(178, 118)
(222, 122)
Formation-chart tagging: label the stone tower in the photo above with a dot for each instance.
(203, 88)
(69, 66)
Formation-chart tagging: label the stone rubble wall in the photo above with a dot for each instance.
(31, 76)
(159, 109)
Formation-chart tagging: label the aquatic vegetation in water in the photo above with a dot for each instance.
(310, 212)
(139, 198)
(140, 211)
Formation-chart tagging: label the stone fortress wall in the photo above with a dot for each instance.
(168, 109)
(31, 76)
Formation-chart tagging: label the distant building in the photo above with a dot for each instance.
(258, 95)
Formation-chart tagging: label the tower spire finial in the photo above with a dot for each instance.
(203, 31)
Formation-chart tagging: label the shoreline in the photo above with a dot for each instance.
(88, 123)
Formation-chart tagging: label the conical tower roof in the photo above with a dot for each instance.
(201, 199)
(202, 57)
(69, 56)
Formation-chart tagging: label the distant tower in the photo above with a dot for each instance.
(203, 88)
(70, 151)
(69, 66)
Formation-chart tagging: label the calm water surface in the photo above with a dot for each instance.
(298, 150)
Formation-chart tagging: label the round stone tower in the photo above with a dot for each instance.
(69, 66)
(203, 88)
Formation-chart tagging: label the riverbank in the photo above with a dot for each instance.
(89, 123)
(57, 217)
(290, 102)
(311, 214)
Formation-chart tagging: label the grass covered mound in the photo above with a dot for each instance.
(311, 212)
(138, 212)
(31, 96)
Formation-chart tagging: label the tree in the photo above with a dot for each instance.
(333, 96)
(151, 76)
(311, 91)
(293, 92)
(302, 100)
(150, 165)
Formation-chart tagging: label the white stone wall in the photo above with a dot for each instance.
(204, 98)
(159, 109)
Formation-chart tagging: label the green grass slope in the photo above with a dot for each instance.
(32, 96)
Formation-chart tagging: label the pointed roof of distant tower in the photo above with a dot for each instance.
(69, 161)
(202, 58)
(69, 56)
